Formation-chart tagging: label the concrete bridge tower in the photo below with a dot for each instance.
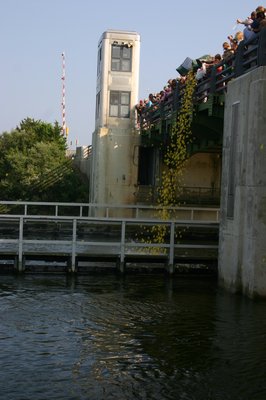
(115, 141)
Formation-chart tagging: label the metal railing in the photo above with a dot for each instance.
(122, 239)
(248, 56)
(90, 210)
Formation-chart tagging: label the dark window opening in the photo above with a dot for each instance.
(146, 170)
(99, 61)
(119, 104)
(121, 58)
(97, 109)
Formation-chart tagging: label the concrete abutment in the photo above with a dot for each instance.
(242, 244)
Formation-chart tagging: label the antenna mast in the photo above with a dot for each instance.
(64, 128)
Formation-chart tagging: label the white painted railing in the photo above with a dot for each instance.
(120, 238)
(107, 210)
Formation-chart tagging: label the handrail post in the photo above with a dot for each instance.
(172, 249)
(122, 247)
(239, 59)
(261, 48)
(213, 79)
(20, 245)
(74, 243)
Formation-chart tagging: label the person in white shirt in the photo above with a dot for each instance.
(247, 31)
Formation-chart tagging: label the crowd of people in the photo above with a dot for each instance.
(252, 25)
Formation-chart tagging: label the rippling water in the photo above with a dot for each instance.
(138, 337)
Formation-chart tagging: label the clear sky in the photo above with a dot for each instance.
(34, 33)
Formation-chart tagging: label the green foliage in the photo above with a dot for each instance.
(34, 166)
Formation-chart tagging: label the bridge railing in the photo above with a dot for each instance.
(23, 208)
(248, 56)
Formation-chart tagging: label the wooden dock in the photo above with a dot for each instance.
(76, 241)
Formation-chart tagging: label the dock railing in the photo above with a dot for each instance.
(123, 240)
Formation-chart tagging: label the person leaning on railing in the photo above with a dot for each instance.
(227, 51)
(234, 41)
(247, 32)
(261, 15)
(172, 83)
(227, 57)
(253, 25)
(259, 21)
(216, 60)
(162, 96)
(261, 9)
(248, 21)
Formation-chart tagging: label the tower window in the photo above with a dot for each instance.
(119, 104)
(99, 61)
(121, 58)
(97, 108)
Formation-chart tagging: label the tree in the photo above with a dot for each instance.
(34, 165)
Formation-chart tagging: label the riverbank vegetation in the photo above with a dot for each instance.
(34, 165)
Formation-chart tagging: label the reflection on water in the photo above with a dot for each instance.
(138, 337)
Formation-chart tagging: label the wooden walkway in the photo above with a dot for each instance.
(78, 240)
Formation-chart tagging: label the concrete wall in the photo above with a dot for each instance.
(242, 247)
(203, 170)
(82, 159)
(115, 166)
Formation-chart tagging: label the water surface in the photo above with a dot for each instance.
(98, 337)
